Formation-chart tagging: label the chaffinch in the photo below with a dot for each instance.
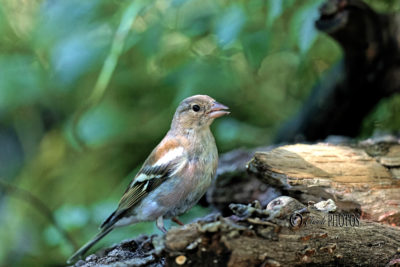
(176, 174)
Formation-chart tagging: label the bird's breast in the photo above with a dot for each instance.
(191, 182)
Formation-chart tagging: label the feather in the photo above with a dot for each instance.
(148, 178)
(77, 255)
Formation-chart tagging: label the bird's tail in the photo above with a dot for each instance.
(78, 255)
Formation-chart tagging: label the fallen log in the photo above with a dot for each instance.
(257, 236)
(357, 181)
(362, 177)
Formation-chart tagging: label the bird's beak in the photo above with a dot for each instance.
(218, 110)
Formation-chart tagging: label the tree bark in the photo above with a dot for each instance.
(356, 181)
(262, 237)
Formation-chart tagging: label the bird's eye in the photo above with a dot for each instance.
(196, 108)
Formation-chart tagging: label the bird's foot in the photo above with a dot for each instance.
(160, 224)
(177, 221)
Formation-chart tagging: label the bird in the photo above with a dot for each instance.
(175, 175)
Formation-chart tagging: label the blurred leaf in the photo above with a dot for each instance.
(202, 77)
(383, 118)
(255, 45)
(230, 24)
(194, 17)
(20, 81)
(302, 25)
(73, 57)
(229, 130)
(151, 39)
(176, 3)
(71, 217)
(58, 19)
(3, 22)
(275, 9)
(101, 211)
(52, 236)
(128, 17)
(100, 124)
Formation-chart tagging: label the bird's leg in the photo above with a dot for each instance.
(160, 224)
(177, 221)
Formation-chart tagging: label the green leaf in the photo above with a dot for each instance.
(255, 45)
(302, 25)
(275, 9)
(101, 124)
(52, 236)
(230, 25)
(20, 81)
(72, 216)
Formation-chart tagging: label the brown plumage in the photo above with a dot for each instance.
(176, 174)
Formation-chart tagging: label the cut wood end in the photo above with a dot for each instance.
(323, 161)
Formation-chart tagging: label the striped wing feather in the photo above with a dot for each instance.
(151, 178)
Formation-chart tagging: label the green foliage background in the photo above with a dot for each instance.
(109, 75)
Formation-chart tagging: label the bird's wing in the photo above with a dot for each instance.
(154, 172)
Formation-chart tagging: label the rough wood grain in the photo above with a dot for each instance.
(235, 185)
(258, 236)
(357, 181)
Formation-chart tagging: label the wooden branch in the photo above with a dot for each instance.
(357, 181)
(235, 185)
(260, 237)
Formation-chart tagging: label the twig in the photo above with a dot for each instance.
(111, 61)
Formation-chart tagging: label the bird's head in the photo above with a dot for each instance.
(198, 111)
